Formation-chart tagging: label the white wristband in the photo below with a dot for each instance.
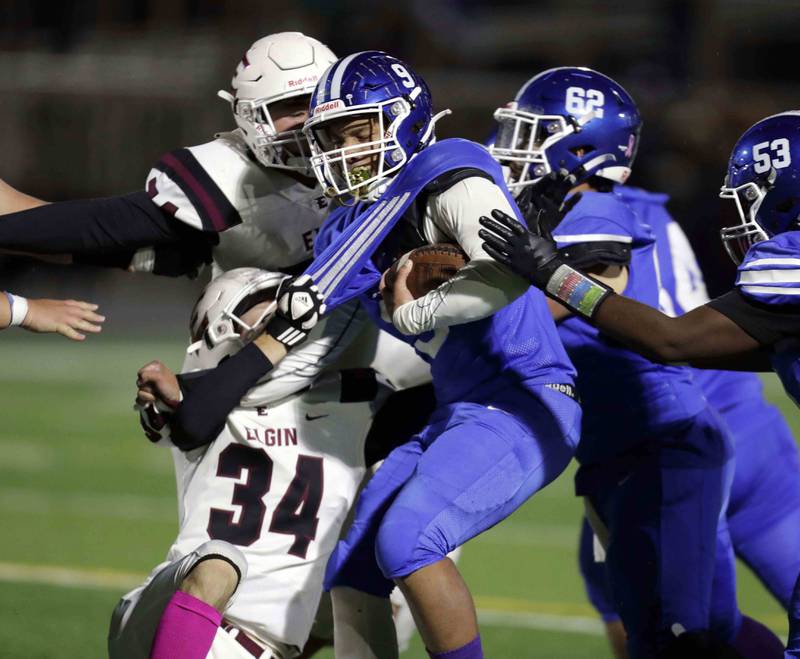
(19, 309)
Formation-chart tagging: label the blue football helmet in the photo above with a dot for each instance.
(763, 179)
(566, 118)
(352, 157)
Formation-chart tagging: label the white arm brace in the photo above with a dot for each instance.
(480, 288)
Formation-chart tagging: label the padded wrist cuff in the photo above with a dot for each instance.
(578, 291)
(19, 309)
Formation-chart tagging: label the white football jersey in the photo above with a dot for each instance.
(321, 351)
(265, 217)
(278, 483)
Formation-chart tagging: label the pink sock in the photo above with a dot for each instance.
(186, 629)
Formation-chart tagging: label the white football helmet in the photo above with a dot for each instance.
(217, 328)
(274, 68)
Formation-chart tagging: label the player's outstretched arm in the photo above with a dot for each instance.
(70, 318)
(203, 400)
(12, 200)
(704, 337)
(104, 232)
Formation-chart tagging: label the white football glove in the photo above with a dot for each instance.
(300, 307)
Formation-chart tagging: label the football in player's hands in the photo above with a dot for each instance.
(433, 265)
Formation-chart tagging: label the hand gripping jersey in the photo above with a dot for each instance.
(277, 483)
(265, 218)
(624, 396)
(516, 346)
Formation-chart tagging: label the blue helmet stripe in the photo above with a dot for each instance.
(338, 74)
(320, 93)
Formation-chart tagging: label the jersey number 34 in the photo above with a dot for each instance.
(296, 514)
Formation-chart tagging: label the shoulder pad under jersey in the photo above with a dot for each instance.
(632, 194)
(203, 185)
(602, 217)
(651, 207)
(445, 155)
(770, 272)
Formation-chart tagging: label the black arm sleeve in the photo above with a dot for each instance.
(766, 323)
(87, 226)
(209, 396)
(585, 255)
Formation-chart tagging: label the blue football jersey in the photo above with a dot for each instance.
(517, 346)
(683, 289)
(770, 271)
(770, 275)
(625, 396)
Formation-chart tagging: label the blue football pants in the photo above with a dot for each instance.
(470, 468)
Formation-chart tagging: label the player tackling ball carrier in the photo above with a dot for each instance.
(261, 506)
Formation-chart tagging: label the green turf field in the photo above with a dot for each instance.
(87, 507)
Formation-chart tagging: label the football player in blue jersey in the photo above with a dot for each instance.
(643, 454)
(763, 513)
(751, 327)
(506, 419)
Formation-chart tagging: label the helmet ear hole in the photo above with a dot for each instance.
(582, 150)
(786, 205)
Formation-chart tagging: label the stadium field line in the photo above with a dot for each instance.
(492, 611)
(88, 504)
(69, 577)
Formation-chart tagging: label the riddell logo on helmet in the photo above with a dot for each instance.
(305, 80)
(330, 105)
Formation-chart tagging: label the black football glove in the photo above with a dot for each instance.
(542, 203)
(184, 258)
(534, 256)
(300, 306)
